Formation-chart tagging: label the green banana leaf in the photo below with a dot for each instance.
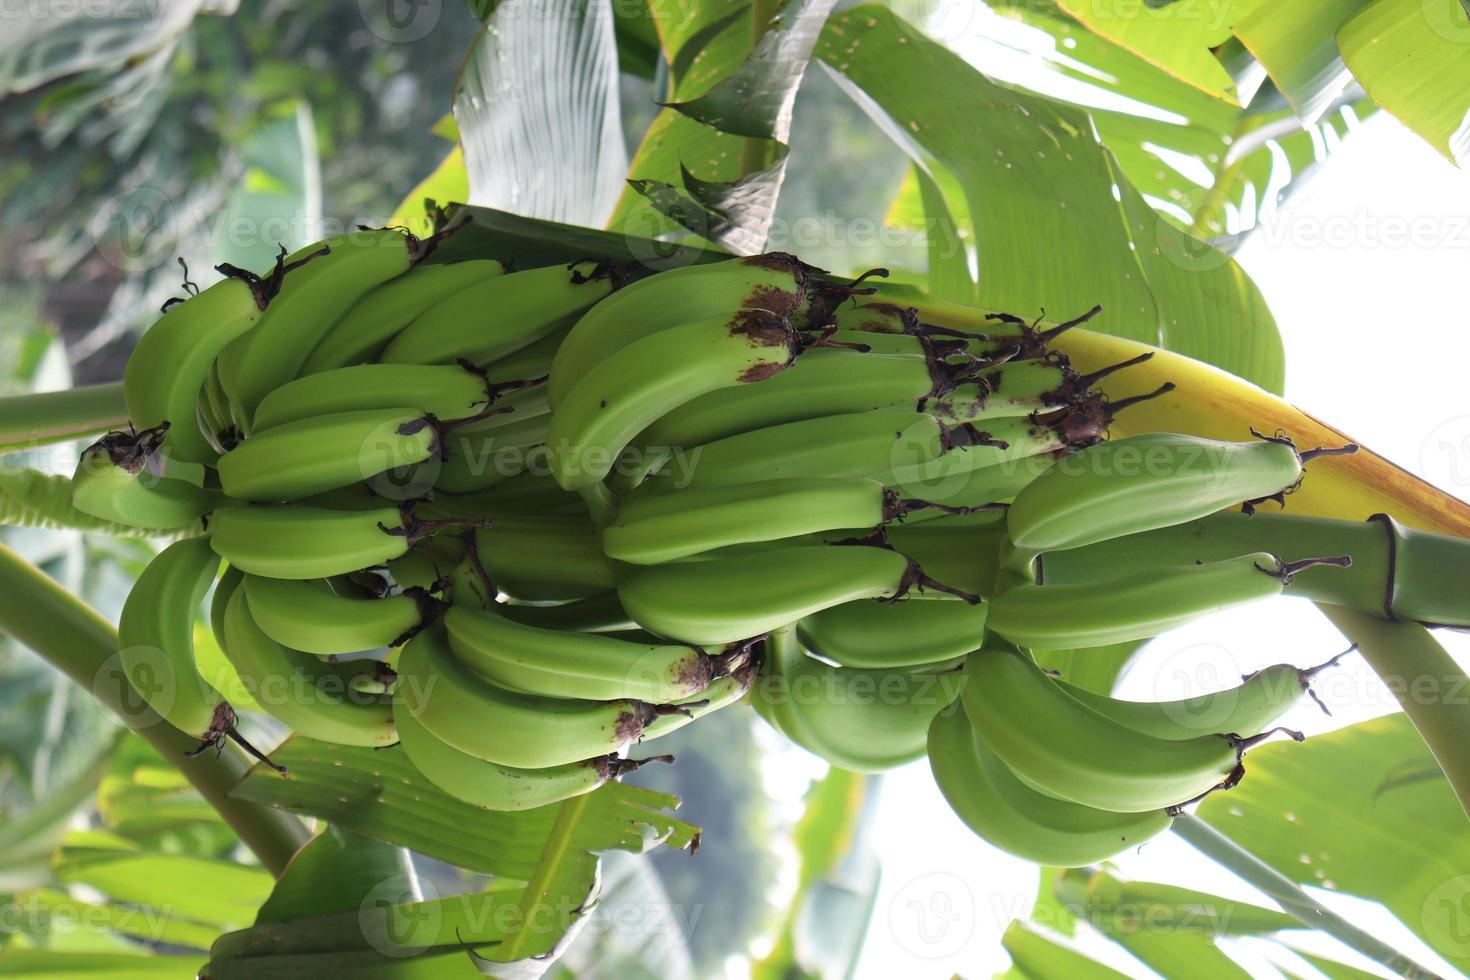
(1045, 198)
(1212, 168)
(217, 892)
(45, 964)
(1315, 813)
(1413, 59)
(1043, 958)
(543, 143)
(1178, 37)
(713, 158)
(379, 794)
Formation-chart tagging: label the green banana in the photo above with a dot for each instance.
(1020, 820)
(496, 787)
(654, 528)
(311, 617)
(377, 317)
(544, 558)
(297, 542)
(973, 488)
(500, 316)
(614, 401)
(1138, 605)
(1144, 482)
(124, 478)
(509, 729)
(775, 283)
(599, 613)
(859, 720)
(860, 444)
(1064, 748)
(532, 361)
(1246, 709)
(484, 454)
(169, 366)
(310, 695)
(820, 382)
(534, 660)
(314, 455)
(155, 633)
(725, 600)
(962, 555)
(446, 391)
(878, 635)
(333, 275)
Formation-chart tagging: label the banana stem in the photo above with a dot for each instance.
(1427, 682)
(74, 639)
(27, 421)
(1290, 896)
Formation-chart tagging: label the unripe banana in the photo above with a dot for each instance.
(333, 275)
(495, 787)
(859, 720)
(1018, 388)
(155, 635)
(549, 662)
(314, 455)
(446, 391)
(617, 399)
(775, 283)
(725, 600)
(1245, 710)
(167, 369)
(125, 479)
(1144, 482)
(877, 635)
(860, 444)
(497, 317)
(973, 488)
(297, 542)
(376, 318)
(1061, 746)
(485, 454)
(962, 555)
(545, 558)
(1138, 605)
(596, 614)
(655, 528)
(500, 726)
(308, 694)
(1020, 820)
(532, 361)
(311, 617)
(820, 382)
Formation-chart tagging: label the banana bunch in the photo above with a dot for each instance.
(513, 522)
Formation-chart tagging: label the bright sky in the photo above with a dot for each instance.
(1365, 269)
